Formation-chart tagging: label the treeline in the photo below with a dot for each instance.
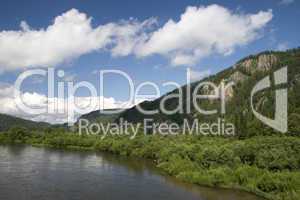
(238, 106)
(7, 121)
(265, 165)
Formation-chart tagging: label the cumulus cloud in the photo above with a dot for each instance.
(61, 106)
(128, 36)
(70, 36)
(202, 31)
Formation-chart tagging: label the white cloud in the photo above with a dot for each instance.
(131, 35)
(70, 36)
(202, 31)
(282, 46)
(61, 106)
(198, 75)
(286, 2)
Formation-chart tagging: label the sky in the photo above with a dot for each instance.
(154, 41)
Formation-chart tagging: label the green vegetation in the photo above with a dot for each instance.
(97, 116)
(7, 121)
(265, 165)
(238, 109)
(257, 160)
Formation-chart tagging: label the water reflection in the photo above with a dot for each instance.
(37, 173)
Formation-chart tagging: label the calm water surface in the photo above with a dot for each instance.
(28, 173)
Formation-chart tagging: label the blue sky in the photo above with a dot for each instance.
(279, 33)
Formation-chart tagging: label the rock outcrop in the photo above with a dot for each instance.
(237, 76)
(261, 63)
(266, 62)
(229, 92)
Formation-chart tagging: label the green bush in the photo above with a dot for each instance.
(266, 165)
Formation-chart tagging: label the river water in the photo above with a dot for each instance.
(29, 173)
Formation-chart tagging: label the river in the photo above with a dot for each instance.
(29, 173)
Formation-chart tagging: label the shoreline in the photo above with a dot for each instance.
(163, 152)
(162, 172)
(91, 149)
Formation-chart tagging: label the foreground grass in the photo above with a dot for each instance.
(268, 166)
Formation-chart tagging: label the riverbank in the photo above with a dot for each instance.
(266, 165)
(33, 173)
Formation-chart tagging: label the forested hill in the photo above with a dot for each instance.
(245, 74)
(7, 122)
(98, 116)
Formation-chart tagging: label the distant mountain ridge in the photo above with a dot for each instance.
(8, 121)
(245, 74)
(100, 116)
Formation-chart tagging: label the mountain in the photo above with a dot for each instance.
(244, 74)
(7, 122)
(100, 116)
